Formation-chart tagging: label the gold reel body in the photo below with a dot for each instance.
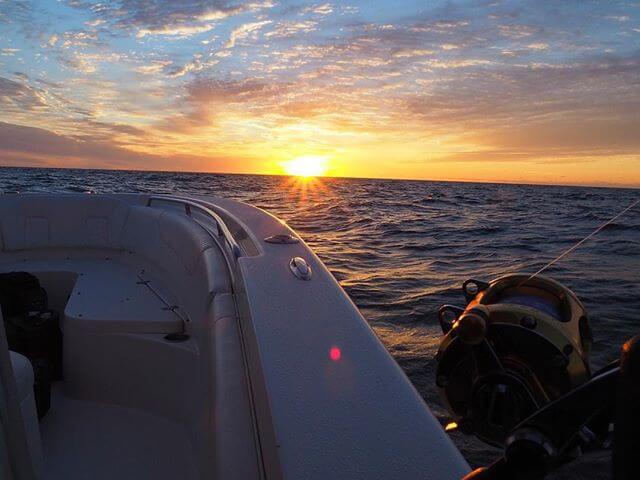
(519, 344)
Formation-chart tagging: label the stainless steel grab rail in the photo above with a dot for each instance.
(223, 230)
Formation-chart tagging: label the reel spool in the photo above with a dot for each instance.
(518, 345)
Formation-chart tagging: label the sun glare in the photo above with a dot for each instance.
(306, 166)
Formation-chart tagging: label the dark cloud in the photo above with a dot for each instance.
(20, 97)
(586, 109)
(23, 77)
(48, 83)
(207, 90)
(158, 14)
(15, 11)
(96, 131)
(602, 86)
(206, 97)
(24, 146)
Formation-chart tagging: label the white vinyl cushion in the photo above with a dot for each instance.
(181, 247)
(185, 238)
(177, 248)
(23, 373)
(61, 221)
(173, 241)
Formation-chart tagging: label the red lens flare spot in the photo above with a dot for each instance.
(335, 354)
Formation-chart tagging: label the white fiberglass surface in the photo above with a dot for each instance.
(92, 440)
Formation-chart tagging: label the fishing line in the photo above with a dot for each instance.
(567, 252)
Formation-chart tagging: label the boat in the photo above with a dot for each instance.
(192, 337)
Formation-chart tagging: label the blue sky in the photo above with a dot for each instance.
(476, 90)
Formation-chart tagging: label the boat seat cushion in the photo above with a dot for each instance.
(179, 246)
(61, 221)
(184, 237)
(23, 373)
(110, 298)
(172, 246)
(171, 240)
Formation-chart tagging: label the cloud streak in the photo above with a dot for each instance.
(244, 31)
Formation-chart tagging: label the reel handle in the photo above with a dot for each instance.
(571, 414)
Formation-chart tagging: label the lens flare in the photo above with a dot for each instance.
(335, 354)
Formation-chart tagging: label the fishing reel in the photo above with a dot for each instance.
(513, 369)
(519, 344)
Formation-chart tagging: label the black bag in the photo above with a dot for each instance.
(32, 331)
(20, 292)
(37, 335)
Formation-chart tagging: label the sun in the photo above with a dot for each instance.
(306, 166)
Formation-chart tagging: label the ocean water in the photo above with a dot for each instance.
(403, 248)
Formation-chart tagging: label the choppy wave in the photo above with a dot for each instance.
(401, 249)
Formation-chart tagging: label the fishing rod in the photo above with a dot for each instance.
(513, 370)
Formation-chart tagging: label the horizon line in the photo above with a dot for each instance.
(395, 179)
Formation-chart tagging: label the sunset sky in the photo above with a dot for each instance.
(535, 91)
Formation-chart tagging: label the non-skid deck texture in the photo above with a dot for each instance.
(85, 440)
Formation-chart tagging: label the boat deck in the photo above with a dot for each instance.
(192, 352)
(92, 440)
